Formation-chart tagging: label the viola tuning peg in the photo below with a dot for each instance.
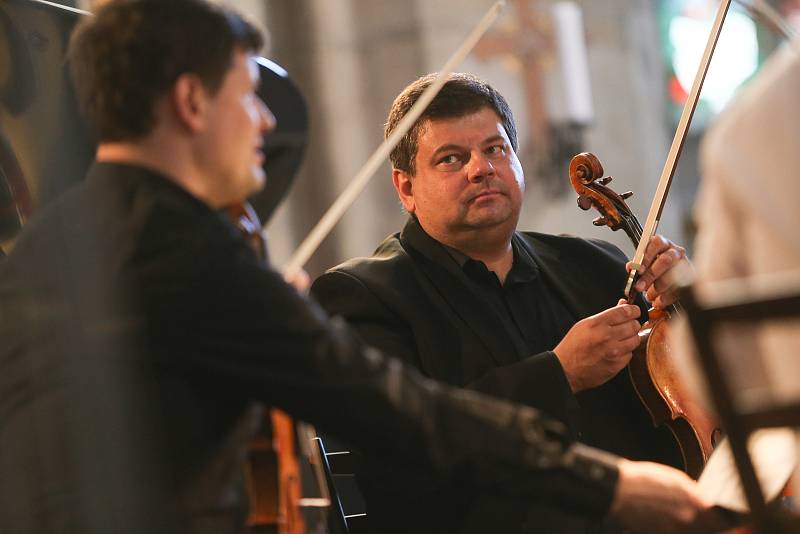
(600, 221)
(584, 202)
(626, 194)
(606, 180)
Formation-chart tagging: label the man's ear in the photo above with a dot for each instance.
(190, 101)
(405, 189)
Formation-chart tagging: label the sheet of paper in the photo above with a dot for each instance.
(774, 455)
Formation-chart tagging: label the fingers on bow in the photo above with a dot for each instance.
(660, 256)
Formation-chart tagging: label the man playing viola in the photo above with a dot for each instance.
(469, 300)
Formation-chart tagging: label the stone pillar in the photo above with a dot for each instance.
(350, 58)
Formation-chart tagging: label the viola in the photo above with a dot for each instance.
(272, 467)
(655, 377)
(652, 368)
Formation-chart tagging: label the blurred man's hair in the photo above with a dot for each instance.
(132, 52)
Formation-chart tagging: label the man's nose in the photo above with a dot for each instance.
(479, 168)
(268, 120)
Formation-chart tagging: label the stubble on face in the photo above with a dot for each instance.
(469, 182)
(232, 146)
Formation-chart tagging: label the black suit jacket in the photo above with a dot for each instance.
(139, 329)
(413, 301)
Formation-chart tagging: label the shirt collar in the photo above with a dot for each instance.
(523, 268)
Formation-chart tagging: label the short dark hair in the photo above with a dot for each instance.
(132, 51)
(462, 94)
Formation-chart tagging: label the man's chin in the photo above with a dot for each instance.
(491, 219)
(257, 180)
(244, 188)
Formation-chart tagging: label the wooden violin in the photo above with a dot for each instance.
(652, 368)
(272, 467)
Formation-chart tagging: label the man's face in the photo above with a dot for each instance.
(230, 148)
(468, 178)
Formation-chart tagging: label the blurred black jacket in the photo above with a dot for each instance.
(138, 330)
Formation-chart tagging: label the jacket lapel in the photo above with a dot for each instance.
(570, 275)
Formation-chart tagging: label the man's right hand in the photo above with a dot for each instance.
(596, 348)
(656, 498)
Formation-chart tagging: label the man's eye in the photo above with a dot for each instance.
(495, 149)
(449, 159)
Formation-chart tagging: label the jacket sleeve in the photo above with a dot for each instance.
(237, 321)
(537, 381)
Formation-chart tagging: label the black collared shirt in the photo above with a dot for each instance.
(527, 303)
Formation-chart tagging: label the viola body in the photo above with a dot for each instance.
(272, 466)
(272, 475)
(658, 384)
(652, 369)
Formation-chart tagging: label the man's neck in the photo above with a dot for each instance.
(492, 247)
(499, 262)
(134, 154)
(161, 157)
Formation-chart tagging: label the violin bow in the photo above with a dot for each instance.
(761, 11)
(654, 215)
(326, 223)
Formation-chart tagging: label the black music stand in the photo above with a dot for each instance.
(704, 320)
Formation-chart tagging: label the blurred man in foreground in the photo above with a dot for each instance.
(139, 328)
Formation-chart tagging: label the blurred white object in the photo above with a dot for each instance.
(570, 40)
(774, 455)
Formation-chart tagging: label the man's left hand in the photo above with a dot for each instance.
(655, 277)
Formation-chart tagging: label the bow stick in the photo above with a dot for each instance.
(362, 178)
(654, 216)
(761, 11)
